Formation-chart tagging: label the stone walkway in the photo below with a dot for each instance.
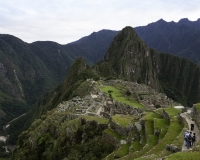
(187, 117)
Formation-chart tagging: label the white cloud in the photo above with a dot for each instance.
(65, 21)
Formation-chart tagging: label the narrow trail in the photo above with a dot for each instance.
(188, 118)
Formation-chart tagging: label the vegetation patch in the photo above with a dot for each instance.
(162, 125)
(123, 150)
(184, 156)
(113, 133)
(197, 106)
(174, 130)
(99, 120)
(122, 119)
(117, 95)
(173, 111)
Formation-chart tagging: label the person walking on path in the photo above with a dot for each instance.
(188, 118)
(193, 139)
(192, 125)
(190, 140)
(186, 137)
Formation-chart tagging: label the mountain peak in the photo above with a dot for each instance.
(161, 21)
(127, 54)
(184, 21)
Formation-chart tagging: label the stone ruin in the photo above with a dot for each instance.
(113, 107)
(146, 95)
(99, 104)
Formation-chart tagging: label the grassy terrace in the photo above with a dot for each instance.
(173, 134)
(119, 96)
(173, 131)
(152, 140)
(99, 120)
(162, 125)
(113, 133)
(123, 120)
(123, 150)
(73, 123)
(184, 156)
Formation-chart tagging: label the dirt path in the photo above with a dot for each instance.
(187, 117)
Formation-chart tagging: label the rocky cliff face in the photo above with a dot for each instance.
(130, 59)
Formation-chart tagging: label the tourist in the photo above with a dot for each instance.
(193, 139)
(192, 125)
(186, 134)
(190, 139)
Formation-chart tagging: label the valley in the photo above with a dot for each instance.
(122, 106)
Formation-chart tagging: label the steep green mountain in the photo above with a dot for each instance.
(29, 70)
(26, 72)
(86, 116)
(77, 74)
(181, 38)
(178, 38)
(130, 59)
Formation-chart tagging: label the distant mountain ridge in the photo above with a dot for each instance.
(92, 47)
(61, 130)
(181, 38)
(29, 70)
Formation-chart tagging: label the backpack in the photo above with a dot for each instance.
(190, 137)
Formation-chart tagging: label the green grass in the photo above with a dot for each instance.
(162, 125)
(123, 120)
(152, 115)
(170, 110)
(118, 96)
(123, 150)
(184, 156)
(173, 131)
(99, 120)
(197, 106)
(113, 133)
(73, 123)
(152, 140)
(179, 139)
(136, 145)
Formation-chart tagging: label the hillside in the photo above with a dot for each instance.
(40, 66)
(92, 47)
(129, 58)
(113, 110)
(29, 70)
(26, 72)
(105, 124)
(181, 38)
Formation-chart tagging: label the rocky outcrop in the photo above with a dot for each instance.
(166, 115)
(112, 140)
(196, 114)
(118, 128)
(172, 148)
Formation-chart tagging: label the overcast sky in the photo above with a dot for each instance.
(65, 21)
